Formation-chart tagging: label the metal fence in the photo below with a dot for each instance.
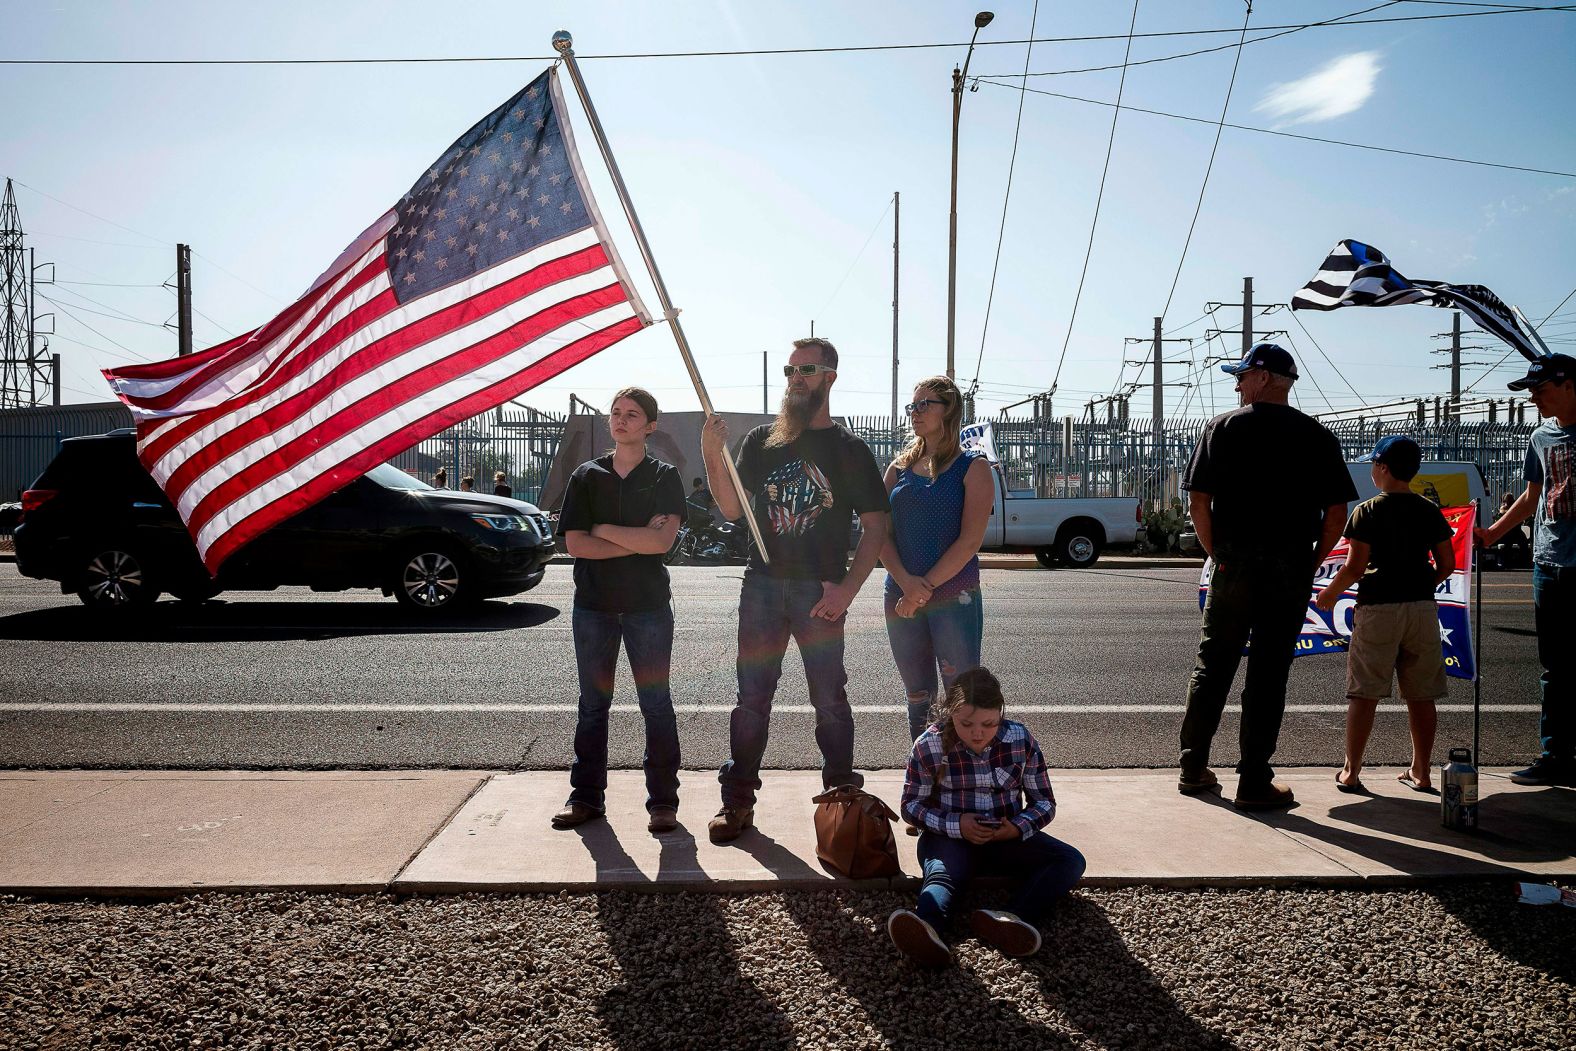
(1068, 456)
(521, 443)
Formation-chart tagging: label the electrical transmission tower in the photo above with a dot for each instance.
(28, 373)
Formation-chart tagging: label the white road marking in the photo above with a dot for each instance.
(687, 709)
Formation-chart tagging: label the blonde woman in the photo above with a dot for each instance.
(941, 498)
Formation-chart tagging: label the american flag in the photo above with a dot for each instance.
(492, 275)
(1359, 275)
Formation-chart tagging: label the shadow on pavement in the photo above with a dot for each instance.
(681, 982)
(221, 621)
(1515, 829)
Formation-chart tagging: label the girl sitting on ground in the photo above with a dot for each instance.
(978, 790)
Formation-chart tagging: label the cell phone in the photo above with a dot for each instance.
(989, 822)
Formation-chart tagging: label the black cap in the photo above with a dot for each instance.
(1552, 368)
(1266, 356)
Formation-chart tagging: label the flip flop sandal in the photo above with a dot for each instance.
(1356, 789)
(1406, 779)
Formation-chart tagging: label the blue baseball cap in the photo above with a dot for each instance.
(1552, 368)
(1266, 356)
(1398, 452)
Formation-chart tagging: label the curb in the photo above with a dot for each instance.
(906, 884)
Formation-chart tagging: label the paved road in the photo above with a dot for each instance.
(1095, 661)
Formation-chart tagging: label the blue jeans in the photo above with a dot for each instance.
(1047, 867)
(771, 610)
(1554, 614)
(945, 632)
(649, 636)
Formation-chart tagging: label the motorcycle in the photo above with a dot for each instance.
(703, 539)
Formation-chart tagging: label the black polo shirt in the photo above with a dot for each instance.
(598, 496)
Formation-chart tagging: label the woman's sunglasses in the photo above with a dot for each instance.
(807, 370)
(920, 406)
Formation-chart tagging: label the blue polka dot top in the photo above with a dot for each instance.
(927, 517)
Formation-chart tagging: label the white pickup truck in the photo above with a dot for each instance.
(1068, 531)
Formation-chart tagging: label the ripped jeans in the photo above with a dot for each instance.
(944, 636)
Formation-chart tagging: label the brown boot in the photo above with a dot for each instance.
(575, 814)
(662, 819)
(730, 823)
(1194, 783)
(1270, 795)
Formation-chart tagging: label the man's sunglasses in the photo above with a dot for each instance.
(807, 370)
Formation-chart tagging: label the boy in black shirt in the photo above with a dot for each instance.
(806, 477)
(621, 512)
(1395, 627)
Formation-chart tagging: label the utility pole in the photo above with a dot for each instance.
(183, 295)
(1157, 355)
(1455, 357)
(897, 205)
(1247, 331)
(766, 380)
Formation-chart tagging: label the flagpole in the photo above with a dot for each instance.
(1477, 637)
(563, 43)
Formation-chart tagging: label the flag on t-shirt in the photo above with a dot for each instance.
(1359, 275)
(492, 275)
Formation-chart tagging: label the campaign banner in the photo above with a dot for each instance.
(980, 436)
(1332, 632)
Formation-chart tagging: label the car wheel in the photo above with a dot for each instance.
(1046, 556)
(116, 578)
(431, 580)
(1078, 547)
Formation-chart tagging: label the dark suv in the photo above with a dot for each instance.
(98, 523)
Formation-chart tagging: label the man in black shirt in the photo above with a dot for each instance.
(806, 477)
(621, 512)
(1268, 490)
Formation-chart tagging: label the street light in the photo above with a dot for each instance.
(981, 20)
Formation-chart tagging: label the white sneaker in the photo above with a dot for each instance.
(1014, 937)
(917, 939)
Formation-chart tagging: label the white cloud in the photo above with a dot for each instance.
(1335, 89)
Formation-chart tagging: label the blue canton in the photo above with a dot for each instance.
(506, 187)
(940, 787)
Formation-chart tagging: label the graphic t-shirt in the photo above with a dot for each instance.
(1551, 463)
(805, 495)
(1400, 530)
(1271, 471)
(596, 495)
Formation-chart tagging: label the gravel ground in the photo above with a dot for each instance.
(1458, 966)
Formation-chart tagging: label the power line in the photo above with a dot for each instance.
(1513, 350)
(749, 52)
(1208, 168)
(1205, 51)
(1001, 233)
(1325, 356)
(1110, 145)
(1286, 134)
(879, 219)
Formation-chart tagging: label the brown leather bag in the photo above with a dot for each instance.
(853, 833)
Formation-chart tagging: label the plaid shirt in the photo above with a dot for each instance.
(940, 787)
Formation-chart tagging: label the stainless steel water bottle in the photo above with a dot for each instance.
(1458, 799)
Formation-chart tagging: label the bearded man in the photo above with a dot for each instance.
(806, 477)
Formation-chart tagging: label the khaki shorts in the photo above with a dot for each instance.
(1396, 639)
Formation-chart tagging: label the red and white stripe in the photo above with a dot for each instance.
(255, 430)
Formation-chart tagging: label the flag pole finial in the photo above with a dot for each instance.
(563, 43)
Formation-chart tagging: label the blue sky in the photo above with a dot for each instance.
(761, 179)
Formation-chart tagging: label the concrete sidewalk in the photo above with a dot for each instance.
(159, 833)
